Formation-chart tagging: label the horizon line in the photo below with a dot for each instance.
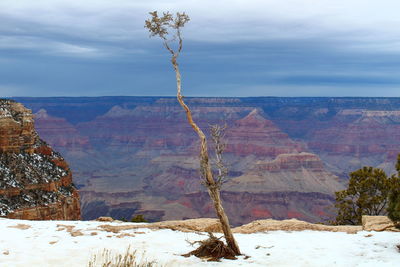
(155, 96)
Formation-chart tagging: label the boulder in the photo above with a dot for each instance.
(190, 225)
(292, 225)
(105, 219)
(378, 223)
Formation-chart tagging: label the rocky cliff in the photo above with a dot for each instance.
(35, 181)
(359, 137)
(138, 155)
(162, 179)
(256, 135)
(59, 132)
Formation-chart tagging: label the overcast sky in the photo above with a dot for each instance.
(231, 48)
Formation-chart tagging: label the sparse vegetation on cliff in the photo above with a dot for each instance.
(35, 181)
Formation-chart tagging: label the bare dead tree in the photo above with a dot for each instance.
(160, 26)
(218, 138)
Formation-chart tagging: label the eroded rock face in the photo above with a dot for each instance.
(244, 207)
(284, 154)
(59, 132)
(16, 132)
(271, 175)
(35, 181)
(256, 135)
(378, 223)
(359, 137)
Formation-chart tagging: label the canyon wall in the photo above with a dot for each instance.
(286, 156)
(35, 181)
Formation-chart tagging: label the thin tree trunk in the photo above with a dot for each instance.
(226, 228)
(212, 186)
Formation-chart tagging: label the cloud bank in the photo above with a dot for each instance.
(290, 48)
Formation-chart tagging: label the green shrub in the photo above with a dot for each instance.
(123, 219)
(370, 192)
(366, 194)
(394, 207)
(394, 198)
(138, 218)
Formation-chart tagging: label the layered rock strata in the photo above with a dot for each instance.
(271, 175)
(59, 132)
(138, 155)
(359, 137)
(35, 181)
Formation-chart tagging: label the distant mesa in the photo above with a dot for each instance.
(41, 114)
(256, 135)
(118, 111)
(256, 118)
(296, 172)
(59, 132)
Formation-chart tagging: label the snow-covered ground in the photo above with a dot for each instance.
(56, 243)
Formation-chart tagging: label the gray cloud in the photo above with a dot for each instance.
(220, 21)
(97, 47)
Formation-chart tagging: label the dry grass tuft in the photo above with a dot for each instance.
(108, 258)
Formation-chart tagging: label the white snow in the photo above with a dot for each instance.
(46, 244)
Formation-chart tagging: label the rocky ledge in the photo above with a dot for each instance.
(35, 181)
(211, 225)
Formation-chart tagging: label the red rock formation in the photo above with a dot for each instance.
(263, 160)
(360, 132)
(16, 132)
(58, 132)
(357, 138)
(258, 136)
(153, 127)
(244, 207)
(36, 182)
(143, 154)
(292, 162)
(303, 172)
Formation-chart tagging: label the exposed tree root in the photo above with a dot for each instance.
(212, 249)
